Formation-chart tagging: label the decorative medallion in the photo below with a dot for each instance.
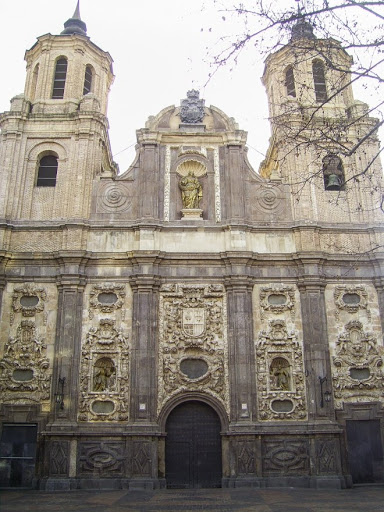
(106, 298)
(24, 368)
(277, 299)
(113, 197)
(351, 299)
(28, 300)
(104, 374)
(193, 341)
(192, 108)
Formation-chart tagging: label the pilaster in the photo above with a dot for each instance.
(149, 200)
(144, 348)
(315, 340)
(241, 349)
(71, 282)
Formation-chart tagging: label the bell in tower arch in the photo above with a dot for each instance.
(333, 173)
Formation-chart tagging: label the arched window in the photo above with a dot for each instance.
(319, 80)
(46, 176)
(60, 77)
(88, 80)
(333, 172)
(35, 76)
(290, 82)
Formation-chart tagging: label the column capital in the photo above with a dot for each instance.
(238, 282)
(145, 282)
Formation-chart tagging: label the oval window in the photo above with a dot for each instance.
(103, 407)
(29, 301)
(22, 375)
(277, 299)
(351, 298)
(107, 298)
(359, 373)
(282, 406)
(193, 368)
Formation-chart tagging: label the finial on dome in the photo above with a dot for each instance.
(75, 25)
(302, 30)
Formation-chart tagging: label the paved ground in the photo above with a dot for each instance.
(359, 499)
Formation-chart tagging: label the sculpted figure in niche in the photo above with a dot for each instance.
(191, 191)
(104, 375)
(280, 375)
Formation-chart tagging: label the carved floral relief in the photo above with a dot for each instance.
(356, 348)
(24, 367)
(357, 366)
(280, 381)
(104, 374)
(193, 341)
(280, 376)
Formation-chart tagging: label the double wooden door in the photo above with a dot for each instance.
(193, 447)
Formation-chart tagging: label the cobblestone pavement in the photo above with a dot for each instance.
(359, 499)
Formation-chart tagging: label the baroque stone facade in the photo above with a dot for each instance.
(188, 305)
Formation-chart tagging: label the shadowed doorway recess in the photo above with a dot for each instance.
(193, 447)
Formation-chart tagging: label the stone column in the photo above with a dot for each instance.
(68, 337)
(241, 353)
(316, 347)
(144, 350)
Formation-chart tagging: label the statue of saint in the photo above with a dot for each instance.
(191, 191)
(280, 377)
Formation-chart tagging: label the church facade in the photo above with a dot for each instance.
(190, 322)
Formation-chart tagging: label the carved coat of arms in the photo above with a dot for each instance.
(193, 321)
(192, 108)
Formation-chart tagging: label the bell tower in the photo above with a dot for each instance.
(322, 138)
(56, 134)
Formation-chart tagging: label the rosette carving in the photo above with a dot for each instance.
(114, 197)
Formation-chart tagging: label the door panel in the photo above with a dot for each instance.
(17, 455)
(365, 453)
(193, 447)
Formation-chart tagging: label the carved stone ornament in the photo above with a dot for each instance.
(106, 298)
(28, 300)
(104, 375)
(351, 299)
(285, 457)
(24, 368)
(357, 366)
(104, 459)
(193, 347)
(192, 108)
(280, 375)
(277, 299)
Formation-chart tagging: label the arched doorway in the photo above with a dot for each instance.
(193, 447)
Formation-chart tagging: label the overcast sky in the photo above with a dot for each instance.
(159, 51)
